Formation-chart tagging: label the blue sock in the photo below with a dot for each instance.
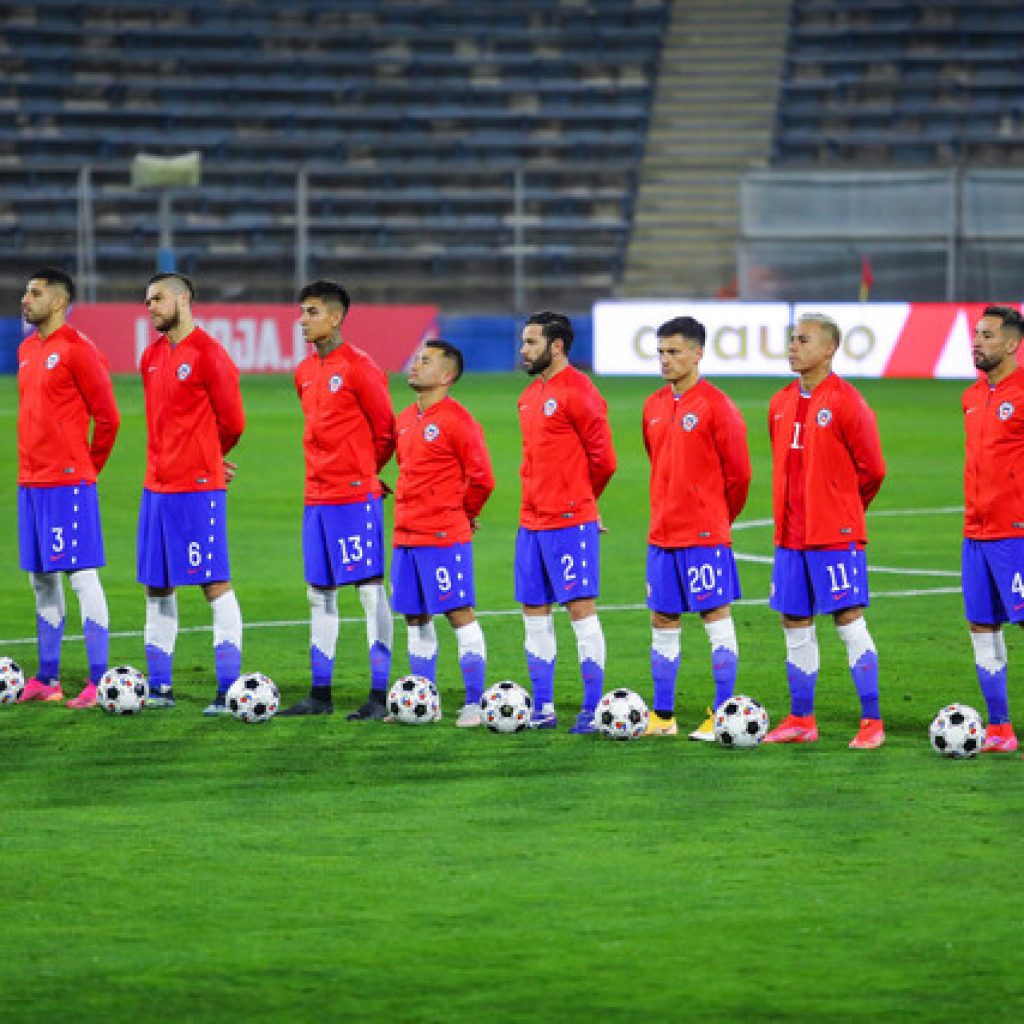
(865, 678)
(593, 683)
(421, 666)
(993, 689)
(97, 648)
(724, 666)
(380, 666)
(48, 641)
(228, 662)
(801, 690)
(158, 668)
(322, 671)
(542, 679)
(474, 670)
(663, 673)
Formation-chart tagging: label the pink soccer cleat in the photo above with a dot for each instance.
(870, 736)
(86, 699)
(36, 690)
(999, 739)
(794, 729)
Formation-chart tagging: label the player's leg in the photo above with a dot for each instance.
(534, 592)
(472, 663)
(160, 631)
(591, 650)
(988, 569)
(665, 600)
(323, 641)
(792, 597)
(96, 628)
(227, 641)
(380, 636)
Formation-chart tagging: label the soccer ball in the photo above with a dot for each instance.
(622, 714)
(740, 722)
(253, 698)
(12, 681)
(506, 707)
(957, 731)
(122, 691)
(414, 700)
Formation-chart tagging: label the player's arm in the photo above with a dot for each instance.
(224, 389)
(860, 433)
(93, 381)
(476, 468)
(371, 390)
(730, 433)
(595, 433)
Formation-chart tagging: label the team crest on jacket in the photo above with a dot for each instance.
(550, 406)
(824, 417)
(184, 371)
(1005, 411)
(431, 431)
(52, 360)
(334, 384)
(689, 421)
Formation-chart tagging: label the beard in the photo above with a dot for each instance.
(167, 323)
(541, 363)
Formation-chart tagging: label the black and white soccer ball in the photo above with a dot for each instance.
(622, 714)
(506, 707)
(122, 691)
(414, 700)
(253, 698)
(12, 681)
(957, 731)
(740, 722)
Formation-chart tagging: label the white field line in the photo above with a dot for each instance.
(608, 608)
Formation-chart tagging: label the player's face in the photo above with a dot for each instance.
(810, 348)
(535, 350)
(679, 358)
(319, 321)
(992, 343)
(164, 306)
(40, 302)
(429, 370)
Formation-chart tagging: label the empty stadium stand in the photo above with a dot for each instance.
(410, 121)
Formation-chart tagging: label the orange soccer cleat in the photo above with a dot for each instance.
(794, 729)
(870, 736)
(999, 739)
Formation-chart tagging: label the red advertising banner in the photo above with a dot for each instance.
(259, 338)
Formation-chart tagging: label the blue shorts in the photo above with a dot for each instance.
(343, 544)
(432, 579)
(806, 583)
(183, 539)
(59, 528)
(992, 577)
(557, 565)
(696, 579)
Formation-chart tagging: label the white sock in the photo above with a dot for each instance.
(161, 629)
(989, 651)
(590, 640)
(540, 636)
(323, 620)
(470, 639)
(857, 639)
(802, 648)
(227, 620)
(91, 599)
(722, 633)
(49, 593)
(666, 642)
(380, 626)
(423, 640)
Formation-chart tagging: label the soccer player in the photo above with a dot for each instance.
(827, 466)
(444, 480)
(700, 474)
(993, 547)
(349, 436)
(568, 459)
(194, 417)
(63, 384)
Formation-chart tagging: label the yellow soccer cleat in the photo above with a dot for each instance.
(658, 726)
(705, 732)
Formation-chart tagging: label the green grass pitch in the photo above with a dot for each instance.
(178, 868)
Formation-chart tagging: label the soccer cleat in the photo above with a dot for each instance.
(216, 707)
(544, 717)
(470, 717)
(705, 732)
(161, 698)
(870, 735)
(794, 729)
(999, 739)
(37, 690)
(369, 711)
(86, 699)
(309, 705)
(658, 726)
(584, 723)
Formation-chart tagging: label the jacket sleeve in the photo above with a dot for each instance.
(595, 434)
(731, 441)
(375, 399)
(93, 380)
(224, 389)
(860, 433)
(476, 465)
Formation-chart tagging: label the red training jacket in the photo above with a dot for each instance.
(444, 475)
(994, 466)
(843, 464)
(568, 457)
(350, 425)
(700, 467)
(194, 413)
(63, 382)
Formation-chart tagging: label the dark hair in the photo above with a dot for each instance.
(1009, 316)
(692, 330)
(554, 325)
(54, 275)
(173, 275)
(329, 291)
(450, 351)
